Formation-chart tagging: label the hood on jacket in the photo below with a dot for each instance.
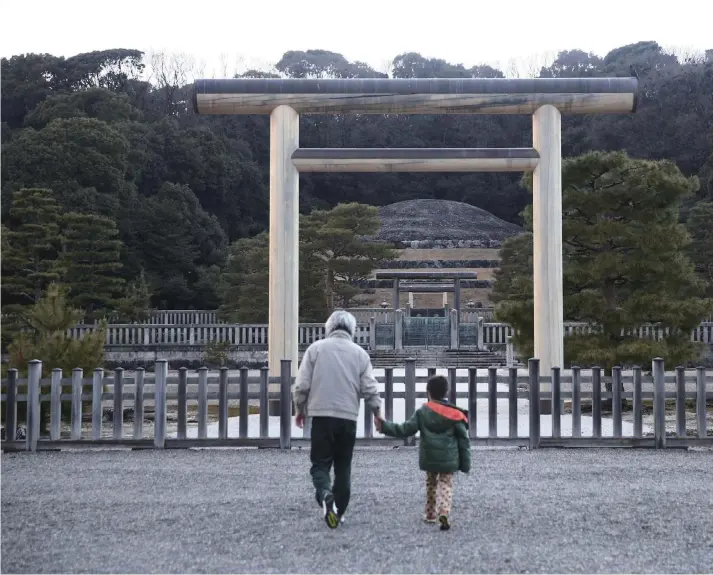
(340, 320)
(441, 416)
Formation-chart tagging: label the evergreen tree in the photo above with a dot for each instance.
(332, 256)
(245, 279)
(30, 241)
(333, 240)
(134, 306)
(700, 226)
(44, 337)
(90, 261)
(623, 264)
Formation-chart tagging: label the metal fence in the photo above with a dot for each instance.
(211, 390)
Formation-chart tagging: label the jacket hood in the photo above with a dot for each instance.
(441, 415)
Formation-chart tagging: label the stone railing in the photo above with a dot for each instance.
(255, 335)
(250, 335)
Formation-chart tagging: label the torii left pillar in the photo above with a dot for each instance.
(283, 315)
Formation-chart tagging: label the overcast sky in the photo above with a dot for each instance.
(243, 34)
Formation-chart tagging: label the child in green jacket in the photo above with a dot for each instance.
(444, 446)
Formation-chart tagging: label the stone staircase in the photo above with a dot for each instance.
(436, 358)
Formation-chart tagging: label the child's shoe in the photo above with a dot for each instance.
(430, 518)
(443, 520)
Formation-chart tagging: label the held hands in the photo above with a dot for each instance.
(377, 422)
(300, 420)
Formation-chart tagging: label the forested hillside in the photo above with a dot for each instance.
(109, 141)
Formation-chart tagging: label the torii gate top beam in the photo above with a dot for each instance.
(416, 96)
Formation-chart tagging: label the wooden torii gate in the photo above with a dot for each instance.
(544, 98)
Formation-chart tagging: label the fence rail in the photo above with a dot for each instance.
(144, 391)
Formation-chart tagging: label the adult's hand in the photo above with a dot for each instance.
(300, 420)
(377, 423)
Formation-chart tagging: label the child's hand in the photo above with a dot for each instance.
(377, 423)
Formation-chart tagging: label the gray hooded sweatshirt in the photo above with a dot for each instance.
(334, 374)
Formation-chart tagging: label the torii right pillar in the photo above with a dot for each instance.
(547, 245)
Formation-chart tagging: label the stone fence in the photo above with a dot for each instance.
(255, 335)
(362, 315)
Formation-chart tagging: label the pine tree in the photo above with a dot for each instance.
(90, 262)
(700, 226)
(334, 241)
(624, 264)
(44, 337)
(30, 242)
(332, 255)
(244, 283)
(134, 306)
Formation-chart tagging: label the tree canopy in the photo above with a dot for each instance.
(624, 263)
(106, 139)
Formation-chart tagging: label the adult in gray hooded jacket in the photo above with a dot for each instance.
(334, 374)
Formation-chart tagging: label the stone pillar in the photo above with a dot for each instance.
(454, 329)
(284, 238)
(410, 299)
(398, 330)
(395, 296)
(547, 242)
(456, 294)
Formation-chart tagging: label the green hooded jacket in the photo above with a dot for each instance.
(444, 442)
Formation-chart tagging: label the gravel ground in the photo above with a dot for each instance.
(222, 511)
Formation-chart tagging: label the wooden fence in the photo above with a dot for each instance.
(158, 388)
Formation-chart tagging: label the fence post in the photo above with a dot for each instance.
(76, 418)
(223, 404)
(512, 402)
(492, 402)
(453, 388)
(410, 393)
(534, 385)
(657, 366)
(576, 402)
(97, 389)
(596, 402)
(389, 393)
(681, 401)
(244, 404)
(34, 374)
(701, 401)
(509, 351)
(11, 405)
(398, 329)
(160, 375)
(372, 333)
(472, 402)
(637, 404)
(454, 328)
(118, 419)
(285, 404)
(202, 403)
(139, 403)
(616, 400)
(182, 403)
(55, 403)
(264, 400)
(556, 402)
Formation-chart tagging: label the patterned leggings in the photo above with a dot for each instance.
(439, 493)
